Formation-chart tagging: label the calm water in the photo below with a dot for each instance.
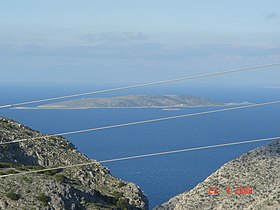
(164, 176)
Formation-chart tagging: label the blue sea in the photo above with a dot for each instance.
(160, 177)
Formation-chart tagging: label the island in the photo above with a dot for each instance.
(167, 102)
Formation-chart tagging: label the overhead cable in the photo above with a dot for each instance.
(143, 156)
(138, 85)
(143, 122)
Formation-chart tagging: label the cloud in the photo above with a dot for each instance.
(271, 15)
(114, 37)
(144, 51)
(272, 87)
(30, 49)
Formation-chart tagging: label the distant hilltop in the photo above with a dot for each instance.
(137, 101)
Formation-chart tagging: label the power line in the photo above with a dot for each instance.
(144, 156)
(139, 85)
(144, 121)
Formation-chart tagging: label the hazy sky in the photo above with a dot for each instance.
(126, 41)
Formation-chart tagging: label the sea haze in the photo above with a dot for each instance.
(160, 177)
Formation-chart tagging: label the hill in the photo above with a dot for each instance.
(88, 187)
(251, 181)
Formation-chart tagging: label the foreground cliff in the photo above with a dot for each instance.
(251, 181)
(88, 187)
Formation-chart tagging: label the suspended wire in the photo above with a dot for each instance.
(144, 122)
(144, 156)
(139, 85)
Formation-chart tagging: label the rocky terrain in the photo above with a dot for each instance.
(258, 170)
(88, 187)
(135, 101)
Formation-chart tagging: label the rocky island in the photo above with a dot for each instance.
(137, 101)
(258, 172)
(87, 187)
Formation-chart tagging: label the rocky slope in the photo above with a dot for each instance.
(135, 101)
(258, 169)
(88, 187)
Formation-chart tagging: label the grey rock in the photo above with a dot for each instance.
(258, 169)
(87, 187)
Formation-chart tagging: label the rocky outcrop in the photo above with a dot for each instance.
(87, 187)
(251, 181)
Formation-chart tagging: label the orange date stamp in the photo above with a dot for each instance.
(238, 190)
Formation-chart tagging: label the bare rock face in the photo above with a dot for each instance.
(251, 181)
(87, 187)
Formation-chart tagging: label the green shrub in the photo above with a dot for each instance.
(133, 203)
(13, 196)
(121, 184)
(28, 167)
(121, 204)
(11, 171)
(22, 168)
(44, 198)
(6, 165)
(35, 167)
(27, 179)
(117, 195)
(53, 172)
(3, 173)
(60, 178)
(5, 147)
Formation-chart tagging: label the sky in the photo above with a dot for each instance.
(132, 41)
